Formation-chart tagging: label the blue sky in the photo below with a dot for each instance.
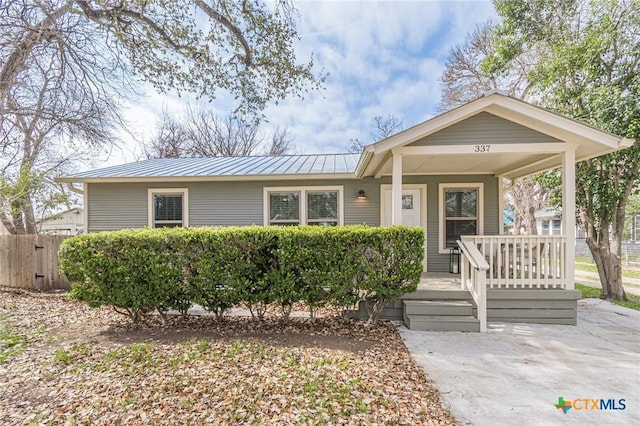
(381, 58)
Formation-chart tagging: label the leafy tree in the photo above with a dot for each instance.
(587, 68)
(65, 66)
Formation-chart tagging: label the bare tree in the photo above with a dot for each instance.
(229, 136)
(66, 64)
(281, 142)
(171, 139)
(201, 133)
(463, 80)
(382, 128)
(526, 196)
(54, 104)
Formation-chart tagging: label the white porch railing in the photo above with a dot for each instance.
(522, 261)
(473, 277)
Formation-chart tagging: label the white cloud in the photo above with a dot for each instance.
(381, 58)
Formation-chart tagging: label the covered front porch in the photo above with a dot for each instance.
(502, 277)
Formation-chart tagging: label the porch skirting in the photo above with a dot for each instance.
(540, 306)
(533, 306)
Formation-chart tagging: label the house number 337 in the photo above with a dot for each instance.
(481, 148)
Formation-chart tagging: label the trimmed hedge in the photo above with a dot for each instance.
(136, 271)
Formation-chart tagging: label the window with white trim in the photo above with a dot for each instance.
(287, 206)
(460, 212)
(168, 207)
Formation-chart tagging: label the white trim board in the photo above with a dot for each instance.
(303, 200)
(441, 210)
(423, 209)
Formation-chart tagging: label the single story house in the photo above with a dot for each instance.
(68, 222)
(443, 175)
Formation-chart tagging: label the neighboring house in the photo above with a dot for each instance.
(548, 221)
(69, 222)
(443, 175)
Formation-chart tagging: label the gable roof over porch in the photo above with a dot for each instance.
(494, 134)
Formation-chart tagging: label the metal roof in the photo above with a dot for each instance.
(273, 165)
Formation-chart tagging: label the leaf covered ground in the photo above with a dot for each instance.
(64, 363)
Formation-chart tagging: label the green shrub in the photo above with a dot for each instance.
(136, 271)
(259, 247)
(131, 270)
(391, 266)
(210, 262)
(322, 263)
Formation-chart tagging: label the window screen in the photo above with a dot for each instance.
(284, 208)
(461, 214)
(167, 210)
(322, 208)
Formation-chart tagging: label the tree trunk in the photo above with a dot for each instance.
(606, 249)
(531, 221)
(609, 269)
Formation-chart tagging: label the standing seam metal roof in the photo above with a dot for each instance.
(323, 164)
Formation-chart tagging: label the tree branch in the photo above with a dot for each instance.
(223, 20)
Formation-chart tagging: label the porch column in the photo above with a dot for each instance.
(569, 213)
(396, 190)
(500, 205)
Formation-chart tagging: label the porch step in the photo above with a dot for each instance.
(438, 307)
(442, 323)
(424, 294)
(440, 315)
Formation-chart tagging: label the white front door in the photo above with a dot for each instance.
(411, 211)
(414, 208)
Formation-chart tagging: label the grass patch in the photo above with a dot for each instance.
(12, 343)
(590, 267)
(633, 301)
(585, 263)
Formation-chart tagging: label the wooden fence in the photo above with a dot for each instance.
(31, 262)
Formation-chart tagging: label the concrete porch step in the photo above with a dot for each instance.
(438, 307)
(442, 323)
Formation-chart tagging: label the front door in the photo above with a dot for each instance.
(413, 208)
(411, 202)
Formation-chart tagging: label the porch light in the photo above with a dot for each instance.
(454, 260)
(362, 195)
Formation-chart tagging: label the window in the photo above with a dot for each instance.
(460, 212)
(284, 208)
(309, 206)
(168, 207)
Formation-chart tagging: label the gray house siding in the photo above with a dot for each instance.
(440, 262)
(484, 128)
(124, 205)
(114, 206)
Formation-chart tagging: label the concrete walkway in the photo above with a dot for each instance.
(515, 373)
